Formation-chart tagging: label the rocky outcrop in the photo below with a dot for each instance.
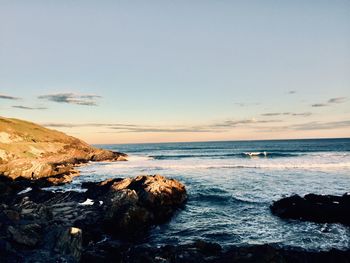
(144, 200)
(201, 252)
(316, 208)
(39, 226)
(31, 151)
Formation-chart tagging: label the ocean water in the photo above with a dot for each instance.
(231, 185)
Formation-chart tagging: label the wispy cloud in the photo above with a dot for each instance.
(124, 128)
(235, 123)
(319, 105)
(330, 102)
(75, 125)
(337, 100)
(245, 104)
(72, 98)
(164, 130)
(307, 126)
(270, 125)
(321, 125)
(292, 92)
(28, 108)
(303, 114)
(7, 97)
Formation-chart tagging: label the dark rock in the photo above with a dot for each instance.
(69, 242)
(36, 225)
(28, 235)
(131, 205)
(108, 156)
(12, 215)
(207, 248)
(316, 208)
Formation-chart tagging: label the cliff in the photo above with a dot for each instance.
(31, 151)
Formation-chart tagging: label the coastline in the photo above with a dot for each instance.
(105, 222)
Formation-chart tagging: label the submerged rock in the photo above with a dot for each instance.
(316, 208)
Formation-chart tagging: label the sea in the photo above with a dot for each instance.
(231, 185)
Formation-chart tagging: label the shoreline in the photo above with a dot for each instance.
(86, 241)
(104, 223)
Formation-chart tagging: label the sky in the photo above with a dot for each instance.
(166, 71)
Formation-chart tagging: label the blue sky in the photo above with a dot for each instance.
(144, 71)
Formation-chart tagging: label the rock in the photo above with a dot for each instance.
(102, 155)
(201, 251)
(33, 152)
(133, 204)
(12, 215)
(69, 242)
(316, 208)
(207, 248)
(28, 235)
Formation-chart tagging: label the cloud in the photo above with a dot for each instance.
(71, 98)
(330, 102)
(319, 105)
(235, 123)
(7, 97)
(242, 104)
(272, 114)
(218, 127)
(321, 125)
(123, 128)
(75, 125)
(28, 108)
(304, 114)
(292, 92)
(315, 125)
(337, 100)
(164, 130)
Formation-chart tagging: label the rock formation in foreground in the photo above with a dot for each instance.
(31, 151)
(316, 208)
(43, 226)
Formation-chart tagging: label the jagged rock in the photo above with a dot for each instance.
(69, 242)
(103, 155)
(36, 225)
(28, 235)
(204, 252)
(317, 208)
(132, 204)
(12, 215)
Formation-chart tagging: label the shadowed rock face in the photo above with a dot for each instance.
(38, 225)
(316, 208)
(31, 151)
(144, 200)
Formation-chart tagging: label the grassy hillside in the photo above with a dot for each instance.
(30, 150)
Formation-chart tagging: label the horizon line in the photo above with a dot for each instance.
(252, 140)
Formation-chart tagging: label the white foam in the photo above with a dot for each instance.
(28, 189)
(251, 154)
(133, 158)
(87, 202)
(311, 162)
